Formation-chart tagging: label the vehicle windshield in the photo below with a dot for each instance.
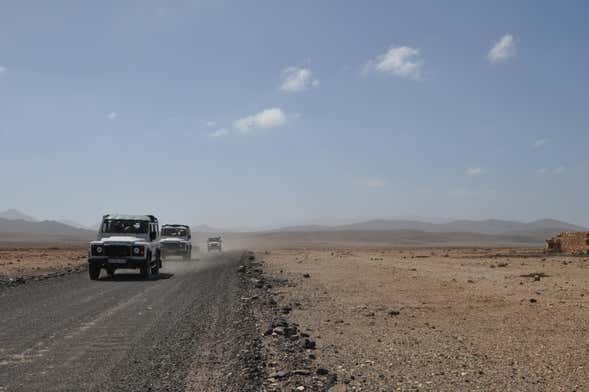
(123, 226)
(174, 232)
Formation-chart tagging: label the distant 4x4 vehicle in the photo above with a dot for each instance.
(176, 241)
(214, 243)
(126, 241)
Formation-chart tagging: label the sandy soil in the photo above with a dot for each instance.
(33, 261)
(441, 319)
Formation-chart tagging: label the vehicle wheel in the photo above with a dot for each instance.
(146, 271)
(94, 271)
(155, 270)
(146, 268)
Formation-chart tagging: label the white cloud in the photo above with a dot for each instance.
(559, 170)
(503, 49)
(211, 124)
(269, 118)
(297, 79)
(219, 133)
(112, 115)
(474, 171)
(540, 142)
(372, 182)
(402, 61)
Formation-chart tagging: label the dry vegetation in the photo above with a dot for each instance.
(441, 319)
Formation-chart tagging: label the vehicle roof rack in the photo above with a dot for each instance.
(149, 218)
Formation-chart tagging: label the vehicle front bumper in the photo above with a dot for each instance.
(174, 250)
(127, 262)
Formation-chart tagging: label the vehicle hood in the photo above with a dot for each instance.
(119, 239)
(173, 240)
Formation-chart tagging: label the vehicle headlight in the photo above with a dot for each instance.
(138, 250)
(96, 250)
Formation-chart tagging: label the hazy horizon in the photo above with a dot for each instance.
(229, 115)
(324, 221)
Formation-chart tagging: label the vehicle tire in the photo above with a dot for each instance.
(94, 271)
(146, 268)
(146, 271)
(155, 270)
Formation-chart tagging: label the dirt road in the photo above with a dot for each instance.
(177, 333)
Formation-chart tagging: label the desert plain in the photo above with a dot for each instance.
(440, 319)
(437, 318)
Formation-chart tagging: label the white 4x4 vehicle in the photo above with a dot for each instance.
(175, 241)
(126, 241)
(214, 243)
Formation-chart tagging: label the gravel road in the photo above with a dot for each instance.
(187, 331)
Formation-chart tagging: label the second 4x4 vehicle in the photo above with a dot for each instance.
(126, 241)
(176, 241)
(214, 243)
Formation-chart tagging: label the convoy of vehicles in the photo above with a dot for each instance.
(176, 241)
(126, 241)
(135, 242)
(214, 243)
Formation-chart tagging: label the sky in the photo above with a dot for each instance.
(266, 113)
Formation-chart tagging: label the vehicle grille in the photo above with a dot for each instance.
(118, 250)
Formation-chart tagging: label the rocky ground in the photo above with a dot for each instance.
(288, 361)
(21, 263)
(424, 319)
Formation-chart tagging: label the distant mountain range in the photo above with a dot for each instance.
(17, 226)
(539, 228)
(15, 214)
(18, 230)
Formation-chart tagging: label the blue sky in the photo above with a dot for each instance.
(269, 113)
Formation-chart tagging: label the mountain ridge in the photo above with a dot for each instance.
(25, 228)
(14, 214)
(486, 226)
